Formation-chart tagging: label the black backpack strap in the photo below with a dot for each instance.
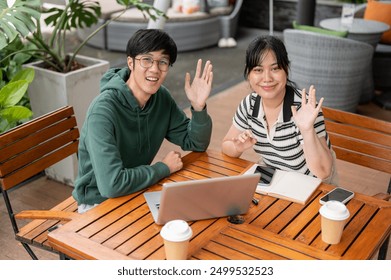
(256, 106)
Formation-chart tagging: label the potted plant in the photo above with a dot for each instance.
(54, 60)
(62, 77)
(23, 18)
(14, 81)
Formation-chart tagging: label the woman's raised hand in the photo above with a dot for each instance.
(306, 116)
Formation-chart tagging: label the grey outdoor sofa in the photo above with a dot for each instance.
(336, 66)
(190, 32)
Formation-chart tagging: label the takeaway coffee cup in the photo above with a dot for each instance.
(176, 235)
(333, 219)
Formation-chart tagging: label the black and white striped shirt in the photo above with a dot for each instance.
(282, 146)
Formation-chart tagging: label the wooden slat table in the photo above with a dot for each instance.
(123, 228)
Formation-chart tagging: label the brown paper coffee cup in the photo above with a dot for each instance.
(334, 215)
(176, 235)
(176, 250)
(332, 230)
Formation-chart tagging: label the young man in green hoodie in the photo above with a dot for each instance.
(127, 123)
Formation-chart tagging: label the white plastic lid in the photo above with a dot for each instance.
(176, 231)
(334, 210)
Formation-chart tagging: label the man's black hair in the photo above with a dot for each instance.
(149, 40)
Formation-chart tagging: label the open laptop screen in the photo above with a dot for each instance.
(202, 199)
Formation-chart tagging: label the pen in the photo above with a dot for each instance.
(255, 201)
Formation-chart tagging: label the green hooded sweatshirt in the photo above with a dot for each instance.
(119, 140)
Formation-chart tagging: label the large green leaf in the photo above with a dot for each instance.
(3, 125)
(15, 114)
(20, 19)
(12, 93)
(78, 15)
(127, 3)
(145, 8)
(24, 74)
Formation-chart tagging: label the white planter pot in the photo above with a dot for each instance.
(51, 90)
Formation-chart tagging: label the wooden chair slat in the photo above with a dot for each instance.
(363, 160)
(38, 152)
(68, 204)
(27, 150)
(34, 125)
(357, 120)
(36, 232)
(359, 139)
(31, 140)
(365, 148)
(34, 168)
(364, 134)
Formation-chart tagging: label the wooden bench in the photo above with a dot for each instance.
(363, 141)
(28, 150)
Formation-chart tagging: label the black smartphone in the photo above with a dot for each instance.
(266, 175)
(338, 194)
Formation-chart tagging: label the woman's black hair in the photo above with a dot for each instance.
(258, 48)
(150, 40)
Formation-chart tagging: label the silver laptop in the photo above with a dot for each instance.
(202, 199)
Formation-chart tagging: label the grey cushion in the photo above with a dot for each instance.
(319, 30)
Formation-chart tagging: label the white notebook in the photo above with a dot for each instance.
(289, 185)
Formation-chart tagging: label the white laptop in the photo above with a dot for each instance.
(202, 199)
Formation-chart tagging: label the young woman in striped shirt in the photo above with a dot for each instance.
(283, 125)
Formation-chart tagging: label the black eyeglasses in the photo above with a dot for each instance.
(147, 62)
